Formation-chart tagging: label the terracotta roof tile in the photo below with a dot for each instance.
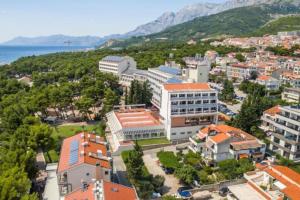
(273, 111)
(187, 87)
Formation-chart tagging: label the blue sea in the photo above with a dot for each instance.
(9, 54)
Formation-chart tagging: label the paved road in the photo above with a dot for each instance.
(236, 107)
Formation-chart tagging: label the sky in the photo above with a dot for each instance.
(32, 18)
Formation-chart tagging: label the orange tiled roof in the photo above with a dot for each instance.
(221, 137)
(287, 177)
(273, 111)
(186, 86)
(111, 191)
(92, 147)
(264, 78)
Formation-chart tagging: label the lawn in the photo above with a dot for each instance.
(65, 131)
(168, 159)
(153, 141)
(51, 156)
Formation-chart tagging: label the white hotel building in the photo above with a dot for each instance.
(117, 65)
(186, 108)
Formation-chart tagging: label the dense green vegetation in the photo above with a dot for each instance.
(281, 51)
(153, 141)
(236, 22)
(168, 159)
(139, 93)
(227, 94)
(289, 23)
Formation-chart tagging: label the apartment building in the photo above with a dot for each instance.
(290, 78)
(282, 124)
(133, 74)
(160, 75)
(291, 95)
(196, 69)
(83, 157)
(186, 107)
(268, 182)
(221, 142)
(239, 71)
(103, 190)
(269, 82)
(117, 65)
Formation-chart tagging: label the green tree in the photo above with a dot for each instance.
(186, 174)
(227, 93)
(240, 57)
(110, 100)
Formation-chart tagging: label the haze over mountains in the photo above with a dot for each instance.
(166, 20)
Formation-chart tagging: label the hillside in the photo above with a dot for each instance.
(235, 22)
(289, 23)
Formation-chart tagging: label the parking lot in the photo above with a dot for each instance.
(151, 162)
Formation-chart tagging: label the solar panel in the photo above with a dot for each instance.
(170, 70)
(113, 58)
(74, 148)
(174, 80)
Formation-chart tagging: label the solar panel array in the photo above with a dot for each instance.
(74, 149)
(170, 70)
(113, 58)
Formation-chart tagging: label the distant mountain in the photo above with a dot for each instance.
(240, 21)
(55, 40)
(191, 12)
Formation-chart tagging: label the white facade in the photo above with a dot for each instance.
(185, 111)
(157, 77)
(291, 95)
(269, 82)
(284, 128)
(239, 71)
(116, 65)
(196, 70)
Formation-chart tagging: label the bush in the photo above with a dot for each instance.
(168, 159)
(186, 174)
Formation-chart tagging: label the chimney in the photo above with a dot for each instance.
(98, 172)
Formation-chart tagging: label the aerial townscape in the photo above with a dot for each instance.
(200, 104)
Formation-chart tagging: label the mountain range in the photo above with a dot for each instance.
(165, 21)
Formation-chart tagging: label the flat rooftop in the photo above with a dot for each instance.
(245, 192)
(137, 118)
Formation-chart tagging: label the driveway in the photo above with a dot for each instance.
(150, 159)
(120, 170)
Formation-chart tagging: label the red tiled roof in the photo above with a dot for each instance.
(287, 177)
(112, 191)
(137, 118)
(92, 147)
(264, 78)
(187, 86)
(273, 111)
(219, 138)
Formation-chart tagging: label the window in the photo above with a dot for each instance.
(199, 109)
(205, 101)
(87, 174)
(182, 133)
(106, 172)
(174, 103)
(213, 101)
(173, 133)
(181, 95)
(214, 109)
(190, 95)
(182, 102)
(183, 110)
(212, 94)
(190, 102)
(205, 94)
(198, 95)
(189, 132)
(173, 95)
(199, 102)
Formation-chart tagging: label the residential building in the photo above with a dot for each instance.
(160, 75)
(196, 70)
(117, 65)
(186, 107)
(127, 124)
(83, 157)
(291, 95)
(240, 71)
(282, 123)
(270, 182)
(133, 74)
(290, 78)
(221, 142)
(269, 82)
(103, 190)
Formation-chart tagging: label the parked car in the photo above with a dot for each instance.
(168, 170)
(223, 191)
(184, 193)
